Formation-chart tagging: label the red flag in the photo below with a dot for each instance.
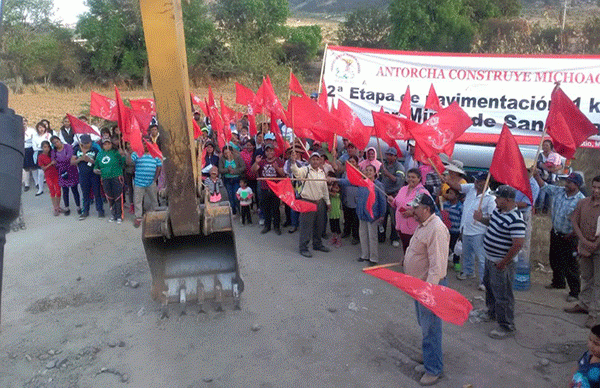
(444, 302)
(123, 117)
(405, 106)
(508, 166)
(284, 190)
(442, 130)
(282, 145)
(267, 99)
(390, 128)
(227, 113)
(153, 149)
(134, 137)
(146, 105)
(196, 100)
(309, 120)
(295, 85)
(433, 102)
(356, 178)
(216, 121)
(197, 129)
(356, 131)
(322, 101)
(81, 127)
(103, 107)
(243, 95)
(564, 116)
(144, 119)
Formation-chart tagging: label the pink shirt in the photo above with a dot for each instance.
(366, 162)
(409, 224)
(427, 254)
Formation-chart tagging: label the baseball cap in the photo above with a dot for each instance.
(575, 178)
(481, 176)
(106, 139)
(421, 199)
(267, 146)
(315, 154)
(391, 151)
(314, 95)
(85, 139)
(269, 136)
(505, 191)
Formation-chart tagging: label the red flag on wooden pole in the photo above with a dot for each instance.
(433, 102)
(405, 106)
(103, 107)
(508, 166)
(357, 179)
(81, 127)
(284, 190)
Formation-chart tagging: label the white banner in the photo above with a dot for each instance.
(492, 89)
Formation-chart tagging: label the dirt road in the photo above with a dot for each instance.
(76, 312)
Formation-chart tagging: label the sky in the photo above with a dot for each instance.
(67, 10)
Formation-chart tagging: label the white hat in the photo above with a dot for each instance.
(456, 166)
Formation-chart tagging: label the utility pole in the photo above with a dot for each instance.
(562, 28)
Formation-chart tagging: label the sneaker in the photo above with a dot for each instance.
(101, 215)
(111, 219)
(138, 221)
(26, 188)
(261, 221)
(457, 267)
(119, 220)
(79, 211)
(83, 216)
(461, 276)
(571, 298)
(39, 193)
(395, 243)
(278, 231)
(428, 379)
(501, 333)
(481, 287)
(56, 212)
(486, 317)
(67, 212)
(265, 230)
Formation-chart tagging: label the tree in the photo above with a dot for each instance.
(202, 41)
(251, 19)
(31, 12)
(433, 25)
(114, 38)
(366, 27)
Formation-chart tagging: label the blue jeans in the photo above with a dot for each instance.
(473, 249)
(90, 183)
(431, 325)
(232, 185)
(295, 218)
(499, 297)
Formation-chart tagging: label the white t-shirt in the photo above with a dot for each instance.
(29, 132)
(245, 196)
(38, 139)
(468, 225)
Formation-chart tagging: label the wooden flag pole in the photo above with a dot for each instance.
(538, 152)
(292, 179)
(323, 67)
(375, 186)
(367, 269)
(487, 183)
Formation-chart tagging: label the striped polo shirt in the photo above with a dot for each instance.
(145, 169)
(455, 214)
(502, 229)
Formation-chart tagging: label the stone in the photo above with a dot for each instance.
(28, 357)
(134, 284)
(44, 357)
(51, 364)
(124, 378)
(352, 306)
(544, 362)
(78, 278)
(332, 309)
(121, 344)
(207, 379)
(141, 312)
(112, 344)
(51, 352)
(255, 327)
(79, 325)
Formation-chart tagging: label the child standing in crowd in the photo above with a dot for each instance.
(51, 174)
(587, 373)
(109, 165)
(214, 185)
(147, 170)
(335, 214)
(454, 207)
(244, 195)
(84, 156)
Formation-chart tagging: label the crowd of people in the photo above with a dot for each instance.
(438, 219)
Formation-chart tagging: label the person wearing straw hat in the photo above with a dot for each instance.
(427, 259)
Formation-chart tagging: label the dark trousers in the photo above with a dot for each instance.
(246, 216)
(128, 177)
(313, 224)
(232, 185)
(270, 208)
(391, 213)
(288, 215)
(405, 238)
(563, 261)
(113, 188)
(334, 224)
(453, 239)
(75, 191)
(499, 297)
(350, 222)
(90, 183)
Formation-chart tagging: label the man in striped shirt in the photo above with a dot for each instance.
(147, 170)
(502, 242)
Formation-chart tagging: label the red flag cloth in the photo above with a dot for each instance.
(196, 100)
(444, 302)
(433, 102)
(295, 85)
(390, 128)
(309, 120)
(123, 116)
(356, 131)
(81, 127)
(267, 99)
(573, 121)
(243, 95)
(405, 106)
(508, 166)
(146, 105)
(197, 129)
(429, 156)
(322, 101)
(144, 119)
(281, 144)
(284, 190)
(154, 151)
(227, 113)
(134, 136)
(441, 130)
(103, 107)
(356, 178)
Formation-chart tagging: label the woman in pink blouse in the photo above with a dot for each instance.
(405, 223)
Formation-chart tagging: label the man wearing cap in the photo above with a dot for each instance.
(269, 139)
(472, 230)
(392, 177)
(586, 223)
(409, 160)
(427, 259)
(84, 156)
(313, 190)
(563, 242)
(503, 240)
